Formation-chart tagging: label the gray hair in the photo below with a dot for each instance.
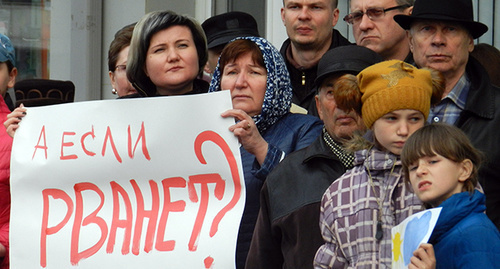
(149, 25)
(400, 2)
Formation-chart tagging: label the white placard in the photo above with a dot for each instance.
(132, 183)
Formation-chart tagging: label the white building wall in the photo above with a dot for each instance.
(82, 30)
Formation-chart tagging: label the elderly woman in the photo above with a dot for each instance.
(255, 73)
(117, 62)
(167, 55)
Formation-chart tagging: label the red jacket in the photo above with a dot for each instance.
(5, 149)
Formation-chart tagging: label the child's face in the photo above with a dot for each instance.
(393, 129)
(436, 178)
(7, 79)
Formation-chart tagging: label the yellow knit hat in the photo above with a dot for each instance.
(393, 85)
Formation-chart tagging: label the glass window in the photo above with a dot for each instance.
(27, 24)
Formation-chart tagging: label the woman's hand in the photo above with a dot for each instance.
(11, 124)
(423, 258)
(247, 133)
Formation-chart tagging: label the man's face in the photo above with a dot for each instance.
(443, 46)
(382, 35)
(338, 123)
(309, 23)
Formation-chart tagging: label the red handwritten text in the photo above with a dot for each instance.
(132, 221)
(67, 142)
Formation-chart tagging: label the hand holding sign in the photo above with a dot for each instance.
(410, 234)
(163, 192)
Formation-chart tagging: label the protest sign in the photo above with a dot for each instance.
(137, 183)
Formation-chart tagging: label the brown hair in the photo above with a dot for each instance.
(238, 48)
(122, 40)
(445, 140)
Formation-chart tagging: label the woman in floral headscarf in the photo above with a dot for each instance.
(255, 73)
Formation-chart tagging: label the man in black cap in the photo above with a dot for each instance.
(309, 26)
(221, 29)
(287, 232)
(441, 34)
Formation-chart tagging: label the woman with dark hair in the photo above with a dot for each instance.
(255, 73)
(167, 55)
(117, 61)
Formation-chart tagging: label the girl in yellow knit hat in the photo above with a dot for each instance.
(359, 209)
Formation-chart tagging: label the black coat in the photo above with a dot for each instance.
(303, 93)
(480, 120)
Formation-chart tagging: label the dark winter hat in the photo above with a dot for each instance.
(346, 59)
(459, 11)
(221, 29)
(7, 50)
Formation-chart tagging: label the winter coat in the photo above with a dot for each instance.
(287, 233)
(5, 149)
(464, 237)
(349, 210)
(480, 120)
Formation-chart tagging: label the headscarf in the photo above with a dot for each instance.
(278, 96)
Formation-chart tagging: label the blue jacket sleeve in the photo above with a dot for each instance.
(295, 132)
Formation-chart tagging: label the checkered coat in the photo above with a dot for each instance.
(349, 211)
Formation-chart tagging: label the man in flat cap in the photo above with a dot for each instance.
(221, 29)
(287, 233)
(441, 35)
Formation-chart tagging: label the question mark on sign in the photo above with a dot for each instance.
(219, 188)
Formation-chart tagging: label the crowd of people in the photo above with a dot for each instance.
(401, 121)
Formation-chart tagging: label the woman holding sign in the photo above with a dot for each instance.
(255, 73)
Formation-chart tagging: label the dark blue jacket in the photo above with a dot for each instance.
(464, 237)
(290, 133)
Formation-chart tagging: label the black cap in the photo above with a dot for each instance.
(221, 29)
(457, 11)
(346, 59)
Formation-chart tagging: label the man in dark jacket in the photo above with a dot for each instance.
(441, 34)
(287, 233)
(309, 28)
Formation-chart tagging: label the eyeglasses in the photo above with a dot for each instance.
(373, 14)
(120, 68)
